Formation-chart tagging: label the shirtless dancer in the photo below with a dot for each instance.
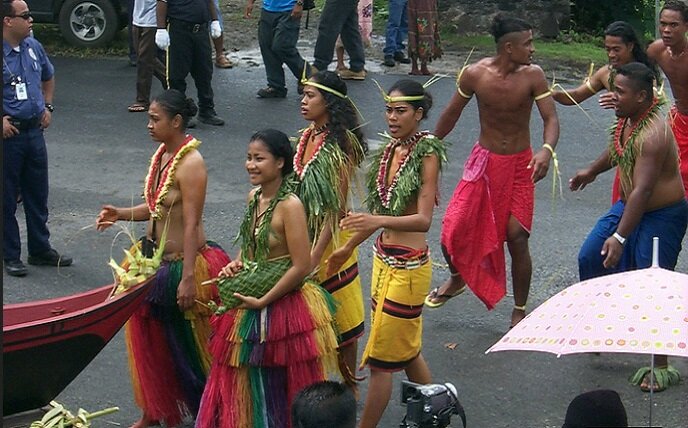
(652, 197)
(622, 46)
(671, 54)
(483, 213)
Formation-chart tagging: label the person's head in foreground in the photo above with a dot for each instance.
(633, 90)
(599, 408)
(325, 404)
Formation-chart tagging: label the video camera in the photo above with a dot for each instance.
(430, 406)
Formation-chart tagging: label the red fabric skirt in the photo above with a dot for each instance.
(493, 188)
(679, 124)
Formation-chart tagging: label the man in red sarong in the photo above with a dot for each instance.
(671, 54)
(493, 203)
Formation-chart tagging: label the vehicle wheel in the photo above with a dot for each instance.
(88, 23)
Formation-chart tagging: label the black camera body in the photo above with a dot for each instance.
(430, 406)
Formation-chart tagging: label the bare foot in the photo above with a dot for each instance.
(144, 422)
(415, 72)
(516, 316)
(645, 385)
(424, 70)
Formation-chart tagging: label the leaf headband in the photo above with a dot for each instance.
(408, 98)
(305, 81)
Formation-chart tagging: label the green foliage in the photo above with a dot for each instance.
(593, 16)
(579, 49)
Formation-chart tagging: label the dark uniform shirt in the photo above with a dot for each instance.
(194, 11)
(29, 65)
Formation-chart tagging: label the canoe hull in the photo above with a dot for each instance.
(48, 343)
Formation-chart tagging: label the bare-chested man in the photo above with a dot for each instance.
(493, 203)
(623, 46)
(652, 196)
(671, 54)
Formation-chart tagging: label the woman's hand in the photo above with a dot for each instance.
(249, 302)
(186, 294)
(107, 217)
(231, 269)
(359, 222)
(337, 259)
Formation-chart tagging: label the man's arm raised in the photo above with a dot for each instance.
(590, 87)
(463, 94)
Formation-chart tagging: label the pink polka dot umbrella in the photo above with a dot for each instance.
(643, 311)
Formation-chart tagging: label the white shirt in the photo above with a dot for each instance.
(144, 13)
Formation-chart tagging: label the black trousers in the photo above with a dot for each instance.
(339, 17)
(190, 52)
(278, 33)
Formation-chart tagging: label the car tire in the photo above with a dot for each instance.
(88, 23)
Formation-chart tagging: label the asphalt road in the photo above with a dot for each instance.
(99, 154)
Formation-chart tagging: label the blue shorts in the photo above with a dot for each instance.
(668, 224)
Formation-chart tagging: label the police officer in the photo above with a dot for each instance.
(189, 49)
(28, 84)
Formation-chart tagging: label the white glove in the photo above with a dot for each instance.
(215, 30)
(162, 39)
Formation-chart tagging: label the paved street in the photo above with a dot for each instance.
(99, 154)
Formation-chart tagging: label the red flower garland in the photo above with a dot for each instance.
(384, 191)
(300, 167)
(620, 148)
(151, 195)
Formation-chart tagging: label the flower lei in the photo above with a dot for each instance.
(393, 199)
(299, 168)
(155, 197)
(624, 154)
(385, 192)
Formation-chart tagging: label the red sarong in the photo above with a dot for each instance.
(679, 124)
(493, 188)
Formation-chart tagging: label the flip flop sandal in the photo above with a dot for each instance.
(137, 108)
(434, 294)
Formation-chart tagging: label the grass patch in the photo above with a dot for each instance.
(571, 52)
(55, 45)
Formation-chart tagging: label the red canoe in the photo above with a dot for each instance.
(47, 343)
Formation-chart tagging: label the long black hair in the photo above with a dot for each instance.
(626, 32)
(343, 115)
(278, 145)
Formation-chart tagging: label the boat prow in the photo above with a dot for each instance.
(47, 343)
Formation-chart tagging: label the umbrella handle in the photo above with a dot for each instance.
(655, 251)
